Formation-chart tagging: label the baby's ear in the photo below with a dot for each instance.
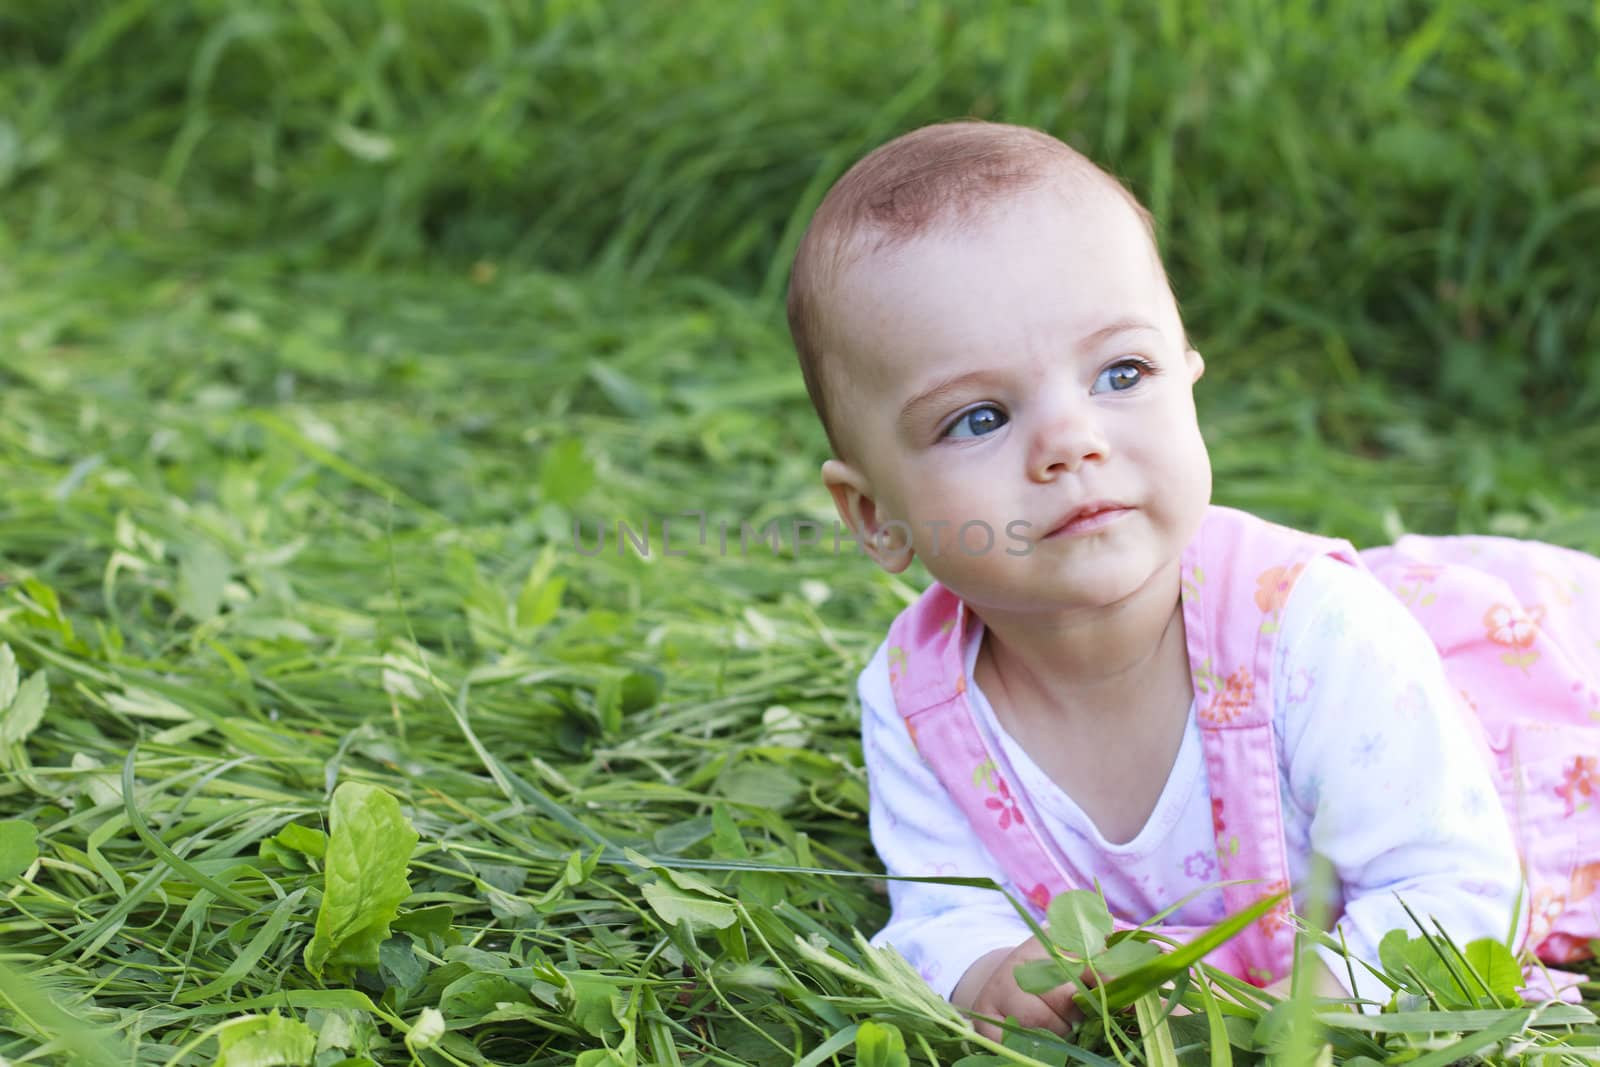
(887, 541)
(1197, 364)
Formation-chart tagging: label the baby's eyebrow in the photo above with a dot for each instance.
(938, 394)
(1119, 326)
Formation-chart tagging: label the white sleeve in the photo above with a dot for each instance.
(917, 830)
(1378, 756)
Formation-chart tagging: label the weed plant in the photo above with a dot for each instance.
(322, 738)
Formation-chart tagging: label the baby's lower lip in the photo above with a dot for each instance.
(1084, 524)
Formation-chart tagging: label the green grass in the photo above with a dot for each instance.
(320, 326)
(1408, 188)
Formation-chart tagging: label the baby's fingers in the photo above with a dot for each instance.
(1060, 1004)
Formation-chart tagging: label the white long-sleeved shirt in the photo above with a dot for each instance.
(1378, 775)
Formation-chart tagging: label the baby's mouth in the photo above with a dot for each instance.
(1088, 519)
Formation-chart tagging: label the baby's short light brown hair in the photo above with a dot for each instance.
(937, 175)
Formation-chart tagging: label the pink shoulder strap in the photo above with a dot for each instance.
(1236, 578)
(929, 680)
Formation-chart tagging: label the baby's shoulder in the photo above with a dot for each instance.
(1337, 605)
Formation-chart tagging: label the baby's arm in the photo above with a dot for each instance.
(965, 941)
(1379, 758)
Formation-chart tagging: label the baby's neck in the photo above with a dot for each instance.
(1128, 655)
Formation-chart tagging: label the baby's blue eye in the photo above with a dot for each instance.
(1123, 376)
(977, 422)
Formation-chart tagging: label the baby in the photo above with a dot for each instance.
(1111, 681)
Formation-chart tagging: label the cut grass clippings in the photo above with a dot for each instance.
(248, 585)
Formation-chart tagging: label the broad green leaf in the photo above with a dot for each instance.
(1041, 976)
(880, 1045)
(434, 921)
(265, 1041)
(352, 1031)
(565, 473)
(1493, 962)
(1079, 923)
(594, 1002)
(307, 840)
(19, 720)
(399, 966)
(1433, 966)
(675, 905)
(1124, 957)
(641, 689)
(202, 573)
(726, 840)
(19, 847)
(472, 996)
(760, 784)
(364, 878)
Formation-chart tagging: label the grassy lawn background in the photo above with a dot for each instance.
(320, 327)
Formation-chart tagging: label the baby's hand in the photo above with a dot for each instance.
(990, 988)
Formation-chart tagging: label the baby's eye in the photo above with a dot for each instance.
(977, 422)
(1122, 376)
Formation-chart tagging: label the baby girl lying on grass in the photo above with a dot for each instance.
(1112, 682)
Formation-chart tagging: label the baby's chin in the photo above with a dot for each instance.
(1040, 596)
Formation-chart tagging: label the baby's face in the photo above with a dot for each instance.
(1026, 376)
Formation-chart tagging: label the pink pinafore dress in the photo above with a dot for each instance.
(1516, 623)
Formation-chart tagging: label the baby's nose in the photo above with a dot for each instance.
(1066, 442)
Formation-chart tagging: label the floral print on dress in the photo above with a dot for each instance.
(1273, 586)
(1515, 629)
(1006, 805)
(1579, 780)
(1585, 880)
(1412, 588)
(986, 774)
(1277, 920)
(1198, 866)
(1039, 896)
(1235, 698)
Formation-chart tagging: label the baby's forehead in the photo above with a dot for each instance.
(1066, 202)
(999, 267)
(867, 262)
